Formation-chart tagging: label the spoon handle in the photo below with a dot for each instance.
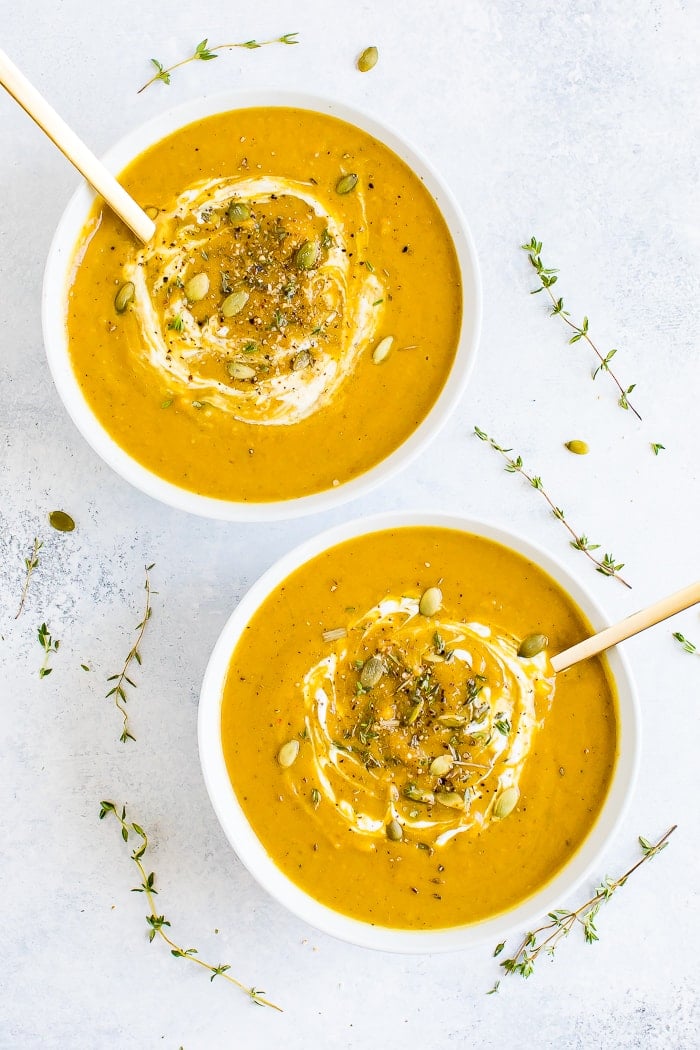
(635, 623)
(74, 149)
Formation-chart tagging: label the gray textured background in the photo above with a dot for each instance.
(576, 121)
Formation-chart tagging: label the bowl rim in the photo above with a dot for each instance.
(252, 853)
(60, 265)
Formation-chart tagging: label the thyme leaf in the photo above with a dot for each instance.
(121, 679)
(157, 923)
(546, 938)
(606, 565)
(548, 278)
(688, 646)
(30, 564)
(204, 53)
(49, 645)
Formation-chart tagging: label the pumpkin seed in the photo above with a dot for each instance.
(197, 287)
(414, 713)
(234, 303)
(579, 448)
(287, 754)
(394, 831)
(441, 765)
(450, 799)
(346, 183)
(452, 721)
(372, 672)
(307, 255)
(431, 602)
(381, 350)
(368, 59)
(237, 370)
(124, 297)
(532, 645)
(334, 634)
(62, 522)
(302, 360)
(417, 794)
(506, 802)
(238, 212)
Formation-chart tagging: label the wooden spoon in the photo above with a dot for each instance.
(639, 621)
(74, 149)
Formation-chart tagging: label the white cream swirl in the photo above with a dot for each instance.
(298, 365)
(439, 744)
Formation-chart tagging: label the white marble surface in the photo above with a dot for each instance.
(577, 121)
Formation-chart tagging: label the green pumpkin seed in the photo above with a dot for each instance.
(381, 350)
(506, 802)
(414, 713)
(234, 303)
(237, 370)
(394, 831)
(431, 602)
(238, 212)
(307, 255)
(197, 287)
(124, 297)
(368, 59)
(441, 765)
(450, 799)
(452, 721)
(62, 522)
(372, 672)
(532, 645)
(302, 360)
(417, 794)
(346, 183)
(579, 448)
(287, 754)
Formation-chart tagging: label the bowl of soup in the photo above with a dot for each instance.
(387, 748)
(300, 326)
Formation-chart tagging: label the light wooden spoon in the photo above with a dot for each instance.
(74, 149)
(635, 623)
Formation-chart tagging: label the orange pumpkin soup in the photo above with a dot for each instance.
(392, 731)
(291, 323)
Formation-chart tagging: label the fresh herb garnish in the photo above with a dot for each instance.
(547, 279)
(176, 323)
(122, 679)
(502, 724)
(688, 646)
(157, 923)
(548, 936)
(607, 565)
(30, 564)
(49, 645)
(204, 53)
(655, 448)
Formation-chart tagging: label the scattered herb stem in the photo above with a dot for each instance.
(688, 646)
(548, 936)
(121, 679)
(30, 564)
(547, 279)
(203, 53)
(605, 565)
(156, 922)
(49, 645)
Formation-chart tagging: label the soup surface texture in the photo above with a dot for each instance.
(291, 323)
(396, 757)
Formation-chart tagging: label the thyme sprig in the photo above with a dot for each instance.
(49, 645)
(30, 564)
(546, 938)
(156, 923)
(548, 278)
(118, 691)
(204, 53)
(607, 565)
(688, 646)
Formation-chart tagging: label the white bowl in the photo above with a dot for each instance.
(57, 279)
(248, 847)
